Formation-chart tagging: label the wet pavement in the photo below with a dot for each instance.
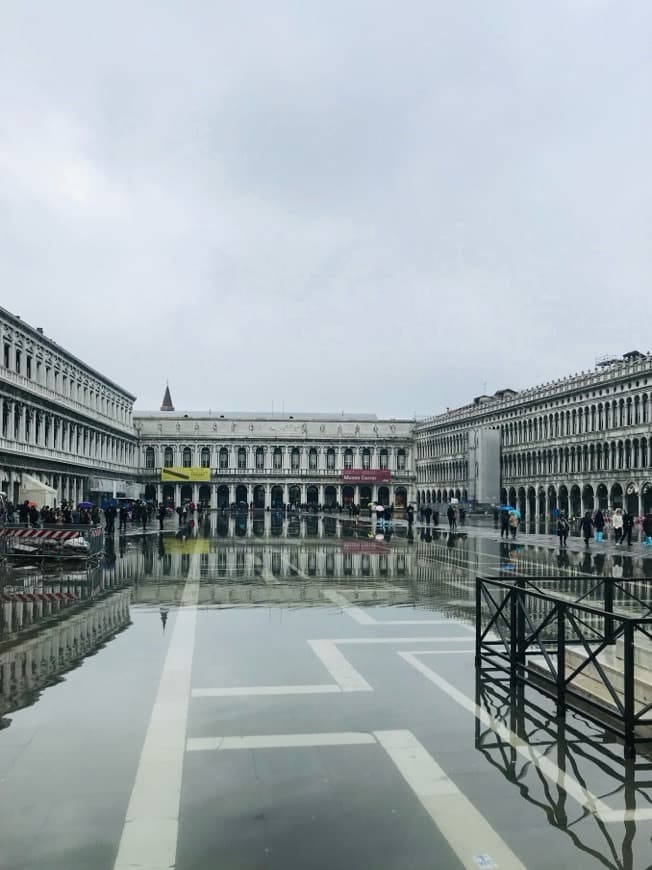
(297, 694)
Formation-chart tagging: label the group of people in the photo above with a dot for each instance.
(426, 513)
(593, 526)
(509, 523)
(29, 514)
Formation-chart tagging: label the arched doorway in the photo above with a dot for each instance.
(616, 496)
(647, 498)
(186, 492)
(522, 501)
(563, 499)
(294, 494)
(259, 497)
(277, 497)
(383, 495)
(312, 495)
(400, 497)
(531, 508)
(222, 496)
(503, 495)
(168, 492)
(575, 501)
(347, 494)
(241, 494)
(588, 499)
(602, 496)
(330, 497)
(511, 498)
(427, 496)
(631, 499)
(150, 492)
(205, 494)
(365, 495)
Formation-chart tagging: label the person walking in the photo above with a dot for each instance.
(452, 521)
(617, 523)
(563, 528)
(123, 515)
(504, 524)
(513, 523)
(647, 528)
(628, 527)
(599, 522)
(586, 527)
(161, 516)
(427, 512)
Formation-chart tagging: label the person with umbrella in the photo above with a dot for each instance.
(504, 523)
(563, 528)
(514, 519)
(586, 527)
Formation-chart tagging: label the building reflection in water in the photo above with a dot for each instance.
(36, 659)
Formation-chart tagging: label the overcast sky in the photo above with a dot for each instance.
(346, 205)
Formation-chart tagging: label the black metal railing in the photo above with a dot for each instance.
(581, 655)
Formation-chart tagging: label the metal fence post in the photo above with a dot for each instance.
(561, 658)
(609, 609)
(513, 632)
(478, 621)
(520, 622)
(628, 693)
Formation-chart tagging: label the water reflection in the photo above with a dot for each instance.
(578, 749)
(31, 662)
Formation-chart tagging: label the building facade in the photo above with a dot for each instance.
(63, 426)
(575, 444)
(270, 460)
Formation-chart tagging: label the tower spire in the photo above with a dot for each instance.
(167, 400)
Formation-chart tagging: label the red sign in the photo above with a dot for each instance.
(366, 475)
(359, 545)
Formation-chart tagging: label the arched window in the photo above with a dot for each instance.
(187, 457)
(348, 458)
(260, 458)
(149, 457)
(168, 457)
(366, 458)
(400, 460)
(224, 458)
(278, 458)
(330, 459)
(205, 457)
(384, 458)
(295, 458)
(312, 459)
(242, 458)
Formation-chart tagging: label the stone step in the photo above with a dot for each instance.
(642, 651)
(589, 680)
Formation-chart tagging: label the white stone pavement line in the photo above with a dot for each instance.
(279, 741)
(569, 784)
(149, 836)
(467, 831)
(469, 834)
(363, 618)
(346, 677)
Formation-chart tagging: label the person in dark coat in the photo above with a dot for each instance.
(161, 516)
(628, 527)
(586, 528)
(504, 524)
(563, 528)
(647, 528)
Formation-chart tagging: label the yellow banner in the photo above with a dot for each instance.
(186, 475)
(190, 547)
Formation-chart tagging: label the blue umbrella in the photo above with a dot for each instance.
(515, 511)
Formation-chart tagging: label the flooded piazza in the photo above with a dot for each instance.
(297, 692)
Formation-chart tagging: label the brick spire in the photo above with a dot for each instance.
(167, 400)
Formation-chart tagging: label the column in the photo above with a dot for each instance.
(286, 493)
(304, 491)
(268, 494)
(250, 493)
(195, 493)
(321, 494)
(231, 493)
(159, 493)
(214, 497)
